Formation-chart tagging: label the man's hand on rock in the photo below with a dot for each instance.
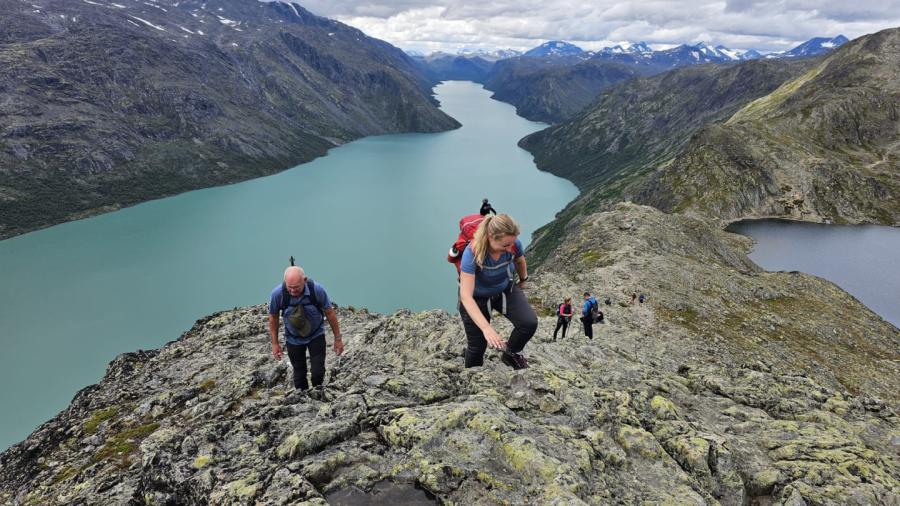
(338, 346)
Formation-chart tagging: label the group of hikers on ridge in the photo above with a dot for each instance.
(487, 254)
(590, 313)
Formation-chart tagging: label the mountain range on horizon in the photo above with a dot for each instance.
(701, 52)
(555, 80)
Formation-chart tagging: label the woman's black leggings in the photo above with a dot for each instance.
(297, 354)
(518, 311)
(561, 321)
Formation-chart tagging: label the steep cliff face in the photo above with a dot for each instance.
(824, 146)
(729, 385)
(108, 104)
(447, 67)
(646, 121)
(553, 89)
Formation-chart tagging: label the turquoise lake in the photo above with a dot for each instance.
(371, 221)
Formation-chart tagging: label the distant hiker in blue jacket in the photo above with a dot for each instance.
(305, 306)
(589, 312)
(486, 285)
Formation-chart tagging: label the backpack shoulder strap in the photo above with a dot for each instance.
(311, 287)
(285, 297)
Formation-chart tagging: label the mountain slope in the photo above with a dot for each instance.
(446, 67)
(613, 146)
(729, 386)
(111, 104)
(648, 119)
(823, 147)
(553, 89)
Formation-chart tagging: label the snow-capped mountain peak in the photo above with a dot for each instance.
(555, 48)
(639, 47)
(815, 46)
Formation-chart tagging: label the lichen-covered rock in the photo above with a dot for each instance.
(686, 399)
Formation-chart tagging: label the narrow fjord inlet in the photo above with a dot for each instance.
(372, 220)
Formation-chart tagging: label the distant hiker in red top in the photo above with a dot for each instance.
(563, 317)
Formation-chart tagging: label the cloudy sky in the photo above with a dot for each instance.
(770, 25)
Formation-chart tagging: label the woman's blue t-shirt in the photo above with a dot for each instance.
(495, 275)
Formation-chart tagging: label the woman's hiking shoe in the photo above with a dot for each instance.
(514, 360)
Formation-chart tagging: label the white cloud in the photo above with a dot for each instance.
(769, 25)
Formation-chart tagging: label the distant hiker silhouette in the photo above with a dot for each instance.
(563, 317)
(590, 312)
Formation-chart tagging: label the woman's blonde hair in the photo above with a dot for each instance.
(494, 227)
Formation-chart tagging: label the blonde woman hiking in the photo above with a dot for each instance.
(486, 285)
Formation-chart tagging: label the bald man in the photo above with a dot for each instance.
(305, 306)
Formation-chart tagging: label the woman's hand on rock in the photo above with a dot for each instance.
(493, 338)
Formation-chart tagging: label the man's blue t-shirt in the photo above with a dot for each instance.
(586, 309)
(495, 275)
(312, 312)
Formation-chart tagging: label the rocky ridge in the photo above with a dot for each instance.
(823, 147)
(108, 104)
(729, 386)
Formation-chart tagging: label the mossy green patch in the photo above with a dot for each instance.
(763, 482)
(64, 474)
(488, 425)
(663, 408)
(492, 481)
(289, 446)
(637, 441)
(593, 257)
(691, 452)
(243, 489)
(523, 456)
(97, 417)
(202, 461)
(123, 444)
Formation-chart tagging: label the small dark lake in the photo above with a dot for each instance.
(861, 259)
